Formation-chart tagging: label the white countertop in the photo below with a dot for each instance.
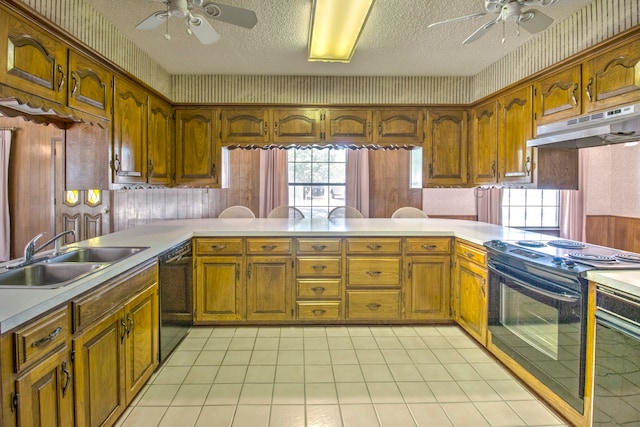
(20, 305)
(623, 280)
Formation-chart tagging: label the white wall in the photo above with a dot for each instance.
(449, 201)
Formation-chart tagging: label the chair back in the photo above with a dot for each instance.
(286, 212)
(237, 212)
(409, 212)
(345, 212)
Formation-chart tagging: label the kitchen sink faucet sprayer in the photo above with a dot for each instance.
(30, 250)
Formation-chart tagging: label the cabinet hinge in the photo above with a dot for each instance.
(72, 356)
(15, 399)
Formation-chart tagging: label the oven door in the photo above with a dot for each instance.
(542, 326)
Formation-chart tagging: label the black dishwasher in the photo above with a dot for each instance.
(175, 283)
(617, 364)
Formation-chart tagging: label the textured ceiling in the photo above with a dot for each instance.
(395, 41)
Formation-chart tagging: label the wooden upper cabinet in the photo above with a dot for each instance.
(245, 126)
(348, 126)
(612, 78)
(297, 126)
(197, 148)
(90, 86)
(160, 141)
(31, 59)
(129, 161)
(483, 144)
(515, 117)
(400, 127)
(557, 96)
(445, 152)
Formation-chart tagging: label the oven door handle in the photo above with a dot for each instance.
(618, 324)
(559, 296)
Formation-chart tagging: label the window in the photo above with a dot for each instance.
(317, 178)
(531, 209)
(416, 168)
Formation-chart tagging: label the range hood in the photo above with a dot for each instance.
(607, 127)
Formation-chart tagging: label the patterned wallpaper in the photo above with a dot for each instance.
(597, 21)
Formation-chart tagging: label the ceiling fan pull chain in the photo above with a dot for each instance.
(166, 34)
(503, 29)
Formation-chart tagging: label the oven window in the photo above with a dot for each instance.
(532, 321)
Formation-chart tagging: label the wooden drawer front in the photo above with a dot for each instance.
(374, 246)
(319, 246)
(308, 288)
(93, 306)
(218, 246)
(319, 310)
(471, 253)
(319, 266)
(428, 246)
(373, 271)
(39, 338)
(373, 305)
(269, 246)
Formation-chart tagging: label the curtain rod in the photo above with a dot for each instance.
(11, 129)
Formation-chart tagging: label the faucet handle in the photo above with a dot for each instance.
(30, 249)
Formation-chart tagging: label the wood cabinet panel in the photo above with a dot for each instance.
(319, 288)
(197, 148)
(216, 246)
(445, 154)
(373, 271)
(269, 246)
(245, 126)
(90, 86)
(515, 117)
(219, 288)
(558, 96)
(86, 158)
(160, 142)
(356, 245)
(483, 145)
(38, 338)
(269, 288)
(427, 245)
(400, 127)
(427, 289)
(469, 301)
(297, 126)
(319, 266)
(328, 310)
(373, 305)
(319, 246)
(471, 253)
(348, 126)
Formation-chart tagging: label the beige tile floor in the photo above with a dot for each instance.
(333, 376)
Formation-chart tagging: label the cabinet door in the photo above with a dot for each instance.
(557, 97)
(197, 151)
(129, 133)
(296, 126)
(160, 142)
(46, 393)
(471, 298)
(515, 159)
(445, 154)
(99, 372)
(400, 127)
(244, 126)
(141, 343)
(348, 126)
(32, 60)
(612, 78)
(269, 288)
(483, 147)
(219, 291)
(427, 289)
(90, 86)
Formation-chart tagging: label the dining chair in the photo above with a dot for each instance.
(237, 212)
(409, 212)
(286, 212)
(345, 212)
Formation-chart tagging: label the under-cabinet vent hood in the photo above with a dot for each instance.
(614, 126)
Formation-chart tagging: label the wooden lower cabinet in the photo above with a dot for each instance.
(269, 292)
(219, 291)
(373, 305)
(427, 287)
(470, 291)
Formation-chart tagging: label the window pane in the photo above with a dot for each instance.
(416, 168)
(337, 172)
(534, 216)
(550, 217)
(534, 197)
(338, 155)
(517, 216)
(320, 155)
(530, 208)
(518, 197)
(549, 197)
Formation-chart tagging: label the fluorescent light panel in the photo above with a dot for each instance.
(335, 28)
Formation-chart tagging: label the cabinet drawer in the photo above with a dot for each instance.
(218, 246)
(319, 266)
(269, 246)
(319, 310)
(319, 246)
(373, 246)
(373, 305)
(373, 271)
(428, 246)
(471, 253)
(39, 338)
(309, 288)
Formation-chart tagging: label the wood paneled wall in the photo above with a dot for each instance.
(30, 181)
(389, 178)
(614, 231)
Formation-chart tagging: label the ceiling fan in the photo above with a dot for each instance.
(516, 11)
(196, 24)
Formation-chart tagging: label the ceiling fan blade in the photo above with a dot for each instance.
(153, 21)
(481, 31)
(203, 30)
(459, 19)
(534, 21)
(230, 14)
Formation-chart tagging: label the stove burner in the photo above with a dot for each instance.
(566, 244)
(628, 257)
(591, 257)
(531, 243)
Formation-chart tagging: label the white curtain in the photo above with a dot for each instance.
(489, 205)
(572, 215)
(357, 191)
(274, 180)
(5, 233)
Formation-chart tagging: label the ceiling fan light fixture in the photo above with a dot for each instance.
(336, 26)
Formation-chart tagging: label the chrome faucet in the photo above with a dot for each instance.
(30, 250)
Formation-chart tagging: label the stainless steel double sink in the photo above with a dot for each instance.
(65, 268)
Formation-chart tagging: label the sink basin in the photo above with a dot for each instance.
(46, 275)
(97, 254)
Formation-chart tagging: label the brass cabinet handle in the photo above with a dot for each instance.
(429, 247)
(374, 247)
(374, 273)
(275, 128)
(470, 255)
(588, 89)
(48, 338)
(60, 77)
(129, 324)
(116, 164)
(218, 247)
(430, 170)
(238, 271)
(74, 80)
(493, 168)
(527, 165)
(319, 267)
(213, 169)
(374, 306)
(379, 128)
(249, 268)
(124, 330)
(67, 375)
(319, 312)
(149, 168)
(269, 247)
(574, 94)
(319, 247)
(318, 289)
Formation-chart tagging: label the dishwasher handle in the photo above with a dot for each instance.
(618, 324)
